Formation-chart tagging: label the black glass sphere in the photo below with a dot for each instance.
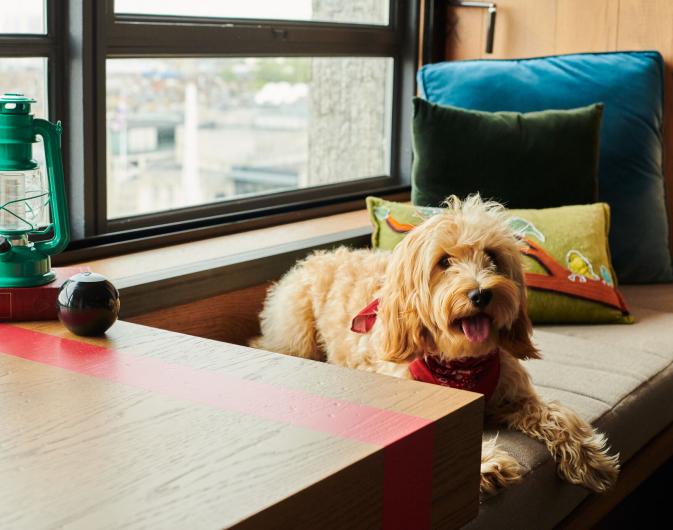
(88, 304)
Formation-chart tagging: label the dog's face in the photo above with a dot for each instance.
(454, 287)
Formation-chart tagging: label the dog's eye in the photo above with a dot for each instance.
(445, 262)
(493, 258)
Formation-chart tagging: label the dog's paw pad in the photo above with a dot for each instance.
(497, 472)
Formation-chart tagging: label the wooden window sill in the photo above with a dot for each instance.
(182, 273)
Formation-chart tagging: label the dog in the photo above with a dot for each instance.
(448, 305)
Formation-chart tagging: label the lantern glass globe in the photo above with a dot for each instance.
(24, 201)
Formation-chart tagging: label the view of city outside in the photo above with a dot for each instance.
(350, 11)
(182, 132)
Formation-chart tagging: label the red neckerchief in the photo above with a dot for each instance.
(476, 374)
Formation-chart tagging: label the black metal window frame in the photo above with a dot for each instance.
(95, 33)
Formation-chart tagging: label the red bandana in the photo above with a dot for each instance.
(476, 374)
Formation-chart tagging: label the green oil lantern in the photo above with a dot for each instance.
(32, 200)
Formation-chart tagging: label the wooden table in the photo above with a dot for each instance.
(152, 429)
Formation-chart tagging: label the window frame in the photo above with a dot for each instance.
(97, 34)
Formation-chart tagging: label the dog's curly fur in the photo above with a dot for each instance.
(423, 288)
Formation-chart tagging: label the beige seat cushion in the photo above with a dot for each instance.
(619, 377)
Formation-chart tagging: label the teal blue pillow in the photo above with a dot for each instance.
(630, 86)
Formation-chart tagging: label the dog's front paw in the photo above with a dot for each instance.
(498, 469)
(589, 464)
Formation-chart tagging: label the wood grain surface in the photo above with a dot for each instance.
(183, 255)
(83, 452)
(229, 317)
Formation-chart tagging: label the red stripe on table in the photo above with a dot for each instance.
(407, 476)
(408, 440)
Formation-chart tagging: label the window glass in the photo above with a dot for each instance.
(182, 132)
(345, 11)
(27, 75)
(26, 16)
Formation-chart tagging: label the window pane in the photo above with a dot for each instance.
(26, 16)
(27, 75)
(345, 11)
(182, 132)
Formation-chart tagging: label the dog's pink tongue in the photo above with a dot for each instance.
(476, 328)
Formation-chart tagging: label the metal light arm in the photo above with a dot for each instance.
(492, 12)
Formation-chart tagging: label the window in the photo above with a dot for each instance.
(25, 17)
(182, 115)
(29, 76)
(183, 132)
(353, 12)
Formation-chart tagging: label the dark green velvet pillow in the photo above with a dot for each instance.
(532, 160)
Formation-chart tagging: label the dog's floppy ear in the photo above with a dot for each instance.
(404, 294)
(517, 339)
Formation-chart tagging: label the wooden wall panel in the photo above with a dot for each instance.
(523, 28)
(230, 317)
(646, 25)
(586, 25)
(465, 25)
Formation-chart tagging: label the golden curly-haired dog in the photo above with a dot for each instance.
(452, 289)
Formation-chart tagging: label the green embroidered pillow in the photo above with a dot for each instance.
(569, 273)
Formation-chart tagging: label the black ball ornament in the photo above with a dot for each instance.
(88, 304)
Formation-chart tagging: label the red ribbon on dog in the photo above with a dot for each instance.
(365, 319)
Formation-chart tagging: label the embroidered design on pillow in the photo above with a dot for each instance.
(580, 266)
(384, 214)
(523, 228)
(578, 280)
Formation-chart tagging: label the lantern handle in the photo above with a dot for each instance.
(51, 134)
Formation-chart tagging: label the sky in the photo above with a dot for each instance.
(24, 16)
(275, 9)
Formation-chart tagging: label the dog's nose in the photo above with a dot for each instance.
(480, 297)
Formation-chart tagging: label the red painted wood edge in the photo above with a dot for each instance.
(407, 440)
